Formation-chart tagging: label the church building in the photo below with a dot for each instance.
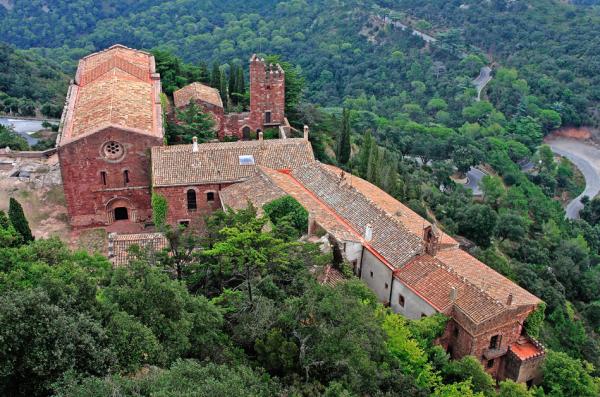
(113, 158)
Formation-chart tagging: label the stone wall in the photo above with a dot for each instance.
(267, 93)
(90, 202)
(176, 197)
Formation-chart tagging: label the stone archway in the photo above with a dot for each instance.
(120, 209)
(246, 132)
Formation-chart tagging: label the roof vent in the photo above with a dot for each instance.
(369, 232)
(509, 300)
(246, 159)
(195, 145)
(306, 129)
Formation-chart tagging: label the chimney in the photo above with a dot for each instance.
(453, 294)
(305, 132)
(509, 299)
(431, 238)
(260, 136)
(369, 232)
(195, 145)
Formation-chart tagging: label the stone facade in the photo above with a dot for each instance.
(267, 102)
(95, 185)
(207, 201)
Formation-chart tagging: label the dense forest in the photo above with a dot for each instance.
(29, 83)
(381, 103)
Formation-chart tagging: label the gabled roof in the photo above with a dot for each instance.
(119, 245)
(197, 92)
(116, 87)
(220, 162)
(391, 238)
(410, 219)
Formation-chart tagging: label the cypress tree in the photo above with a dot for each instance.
(223, 87)
(241, 84)
(18, 220)
(344, 147)
(204, 76)
(373, 171)
(4, 222)
(232, 83)
(365, 151)
(215, 78)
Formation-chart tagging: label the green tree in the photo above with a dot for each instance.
(288, 208)
(10, 139)
(364, 154)
(18, 220)
(344, 147)
(565, 376)
(493, 190)
(191, 122)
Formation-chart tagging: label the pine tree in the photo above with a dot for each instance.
(215, 77)
(344, 148)
(203, 73)
(18, 220)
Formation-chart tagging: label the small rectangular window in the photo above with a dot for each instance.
(103, 177)
(210, 196)
(490, 363)
(456, 332)
(126, 176)
(386, 286)
(371, 274)
(494, 342)
(401, 300)
(184, 223)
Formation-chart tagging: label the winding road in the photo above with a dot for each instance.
(587, 158)
(23, 127)
(485, 76)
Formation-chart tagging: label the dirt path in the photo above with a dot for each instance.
(587, 158)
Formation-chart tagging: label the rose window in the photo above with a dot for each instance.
(113, 150)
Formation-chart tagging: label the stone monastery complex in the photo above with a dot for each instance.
(112, 157)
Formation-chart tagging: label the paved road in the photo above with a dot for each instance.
(485, 76)
(587, 158)
(23, 127)
(474, 176)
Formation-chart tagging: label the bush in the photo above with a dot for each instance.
(287, 209)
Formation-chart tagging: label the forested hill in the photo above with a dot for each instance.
(553, 45)
(29, 82)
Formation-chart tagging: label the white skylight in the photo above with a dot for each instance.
(247, 159)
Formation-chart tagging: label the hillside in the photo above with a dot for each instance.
(29, 83)
(412, 125)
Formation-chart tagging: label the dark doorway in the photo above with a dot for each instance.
(121, 214)
(267, 117)
(246, 132)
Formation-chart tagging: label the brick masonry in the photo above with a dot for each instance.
(267, 103)
(178, 206)
(90, 202)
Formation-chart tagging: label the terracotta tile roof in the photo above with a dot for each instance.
(220, 162)
(391, 239)
(197, 92)
(413, 221)
(485, 278)
(434, 282)
(116, 87)
(258, 190)
(525, 348)
(119, 245)
(330, 276)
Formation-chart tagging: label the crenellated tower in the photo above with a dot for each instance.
(267, 94)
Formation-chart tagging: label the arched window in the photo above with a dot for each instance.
(191, 199)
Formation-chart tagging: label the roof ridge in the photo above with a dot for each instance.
(372, 203)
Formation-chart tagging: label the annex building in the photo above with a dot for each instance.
(112, 157)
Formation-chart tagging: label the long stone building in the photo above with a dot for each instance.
(112, 158)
